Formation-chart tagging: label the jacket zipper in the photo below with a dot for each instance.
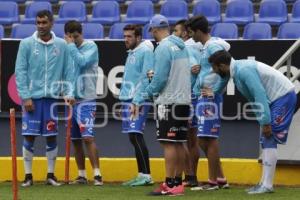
(46, 70)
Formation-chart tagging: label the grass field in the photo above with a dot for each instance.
(116, 192)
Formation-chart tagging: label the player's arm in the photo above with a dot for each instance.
(86, 58)
(21, 71)
(220, 86)
(147, 66)
(213, 48)
(252, 81)
(194, 64)
(162, 66)
(68, 78)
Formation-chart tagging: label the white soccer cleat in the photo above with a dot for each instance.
(52, 180)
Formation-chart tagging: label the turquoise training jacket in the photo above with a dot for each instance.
(41, 67)
(84, 60)
(261, 84)
(139, 61)
(195, 56)
(206, 77)
(171, 83)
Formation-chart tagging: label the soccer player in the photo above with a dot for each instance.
(138, 63)
(84, 57)
(192, 147)
(171, 90)
(208, 123)
(42, 62)
(274, 100)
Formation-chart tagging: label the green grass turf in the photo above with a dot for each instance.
(117, 192)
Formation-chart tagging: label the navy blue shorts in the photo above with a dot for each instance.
(43, 120)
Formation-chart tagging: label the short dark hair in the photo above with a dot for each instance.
(181, 22)
(198, 23)
(133, 27)
(73, 26)
(45, 13)
(220, 57)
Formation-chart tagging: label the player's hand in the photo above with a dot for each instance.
(69, 39)
(195, 69)
(69, 101)
(207, 92)
(134, 111)
(267, 130)
(119, 112)
(150, 75)
(28, 105)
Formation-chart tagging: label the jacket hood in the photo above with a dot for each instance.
(197, 45)
(36, 38)
(148, 44)
(218, 41)
(177, 41)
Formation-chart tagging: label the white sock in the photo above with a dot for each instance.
(148, 176)
(263, 157)
(140, 174)
(51, 157)
(27, 156)
(82, 173)
(270, 161)
(97, 172)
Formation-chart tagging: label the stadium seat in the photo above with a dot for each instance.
(153, 1)
(146, 33)
(239, 12)
(71, 10)
(296, 12)
(273, 12)
(139, 12)
(52, 1)
(92, 31)
(174, 10)
(120, 1)
(58, 29)
(9, 13)
(78, 0)
(116, 31)
(1, 32)
(225, 30)
(33, 8)
(210, 9)
(21, 31)
(17, 1)
(106, 12)
(257, 31)
(289, 31)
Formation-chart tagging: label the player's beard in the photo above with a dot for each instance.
(223, 74)
(131, 46)
(43, 32)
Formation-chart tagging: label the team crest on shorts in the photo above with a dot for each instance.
(51, 125)
(171, 134)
